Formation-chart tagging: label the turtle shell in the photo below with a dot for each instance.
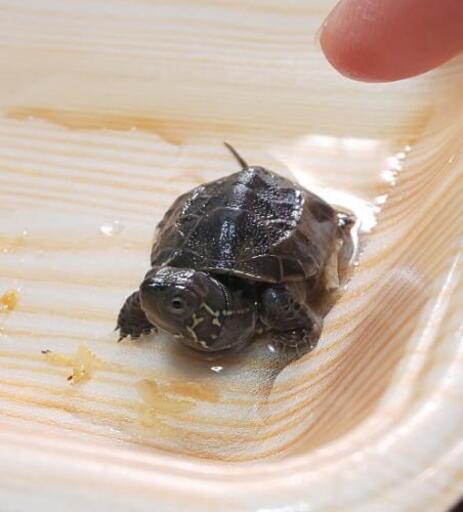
(254, 224)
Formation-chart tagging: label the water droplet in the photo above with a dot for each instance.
(216, 369)
(394, 163)
(389, 176)
(380, 200)
(111, 229)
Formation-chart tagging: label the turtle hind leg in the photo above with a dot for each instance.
(295, 328)
(132, 321)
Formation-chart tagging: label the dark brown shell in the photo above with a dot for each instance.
(254, 224)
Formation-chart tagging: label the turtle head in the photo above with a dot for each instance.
(188, 304)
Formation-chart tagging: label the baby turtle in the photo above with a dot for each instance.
(239, 256)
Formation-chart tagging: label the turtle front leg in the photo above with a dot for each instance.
(294, 326)
(132, 320)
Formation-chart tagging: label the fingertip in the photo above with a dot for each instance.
(347, 41)
(382, 41)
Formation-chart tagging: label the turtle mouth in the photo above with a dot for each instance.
(209, 354)
(200, 346)
(197, 345)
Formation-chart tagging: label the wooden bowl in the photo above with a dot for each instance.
(110, 110)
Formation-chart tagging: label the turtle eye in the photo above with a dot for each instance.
(180, 303)
(177, 305)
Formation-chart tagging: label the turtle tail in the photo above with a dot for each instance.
(235, 153)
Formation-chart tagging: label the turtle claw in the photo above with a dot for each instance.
(345, 220)
(134, 335)
(121, 336)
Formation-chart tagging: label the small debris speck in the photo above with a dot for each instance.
(8, 301)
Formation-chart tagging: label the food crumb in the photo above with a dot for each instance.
(9, 245)
(8, 301)
(155, 395)
(83, 363)
(162, 400)
(157, 405)
(196, 390)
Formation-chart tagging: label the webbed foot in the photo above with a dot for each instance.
(132, 321)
